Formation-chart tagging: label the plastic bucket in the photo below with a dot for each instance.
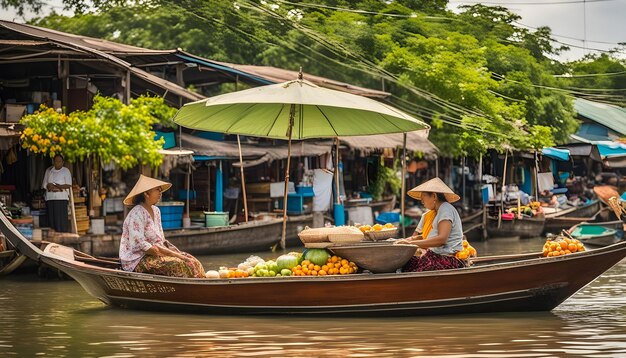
(339, 214)
(215, 218)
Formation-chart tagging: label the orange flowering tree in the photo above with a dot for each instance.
(110, 130)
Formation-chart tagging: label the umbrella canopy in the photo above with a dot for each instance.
(319, 112)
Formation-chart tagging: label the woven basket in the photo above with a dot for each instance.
(382, 234)
(345, 238)
(318, 245)
(312, 238)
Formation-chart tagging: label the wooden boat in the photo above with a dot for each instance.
(9, 261)
(555, 218)
(492, 284)
(597, 234)
(244, 237)
(524, 228)
(554, 224)
(605, 192)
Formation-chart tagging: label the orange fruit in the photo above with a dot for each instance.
(305, 263)
(316, 268)
(563, 245)
(572, 247)
(462, 255)
(388, 226)
(324, 267)
(322, 273)
(377, 227)
(545, 252)
(333, 259)
(311, 266)
(313, 273)
(567, 252)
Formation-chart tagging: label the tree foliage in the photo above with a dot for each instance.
(111, 130)
(477, 78)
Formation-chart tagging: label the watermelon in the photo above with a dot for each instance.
(317, 256)
(286, 262)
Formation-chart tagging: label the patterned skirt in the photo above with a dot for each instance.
(431, 261)
(171, 266)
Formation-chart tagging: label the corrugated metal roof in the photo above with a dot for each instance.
(610, 116)
(93, 43)
(80, 43)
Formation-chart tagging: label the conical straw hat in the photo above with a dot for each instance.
(144, 184)
(434, 185)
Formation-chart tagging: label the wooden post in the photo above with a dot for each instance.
(501, 210)
(243, 181)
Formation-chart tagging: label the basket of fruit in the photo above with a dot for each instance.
(379, 232)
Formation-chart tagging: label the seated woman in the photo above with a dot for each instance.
(439, 234)
(143, 247)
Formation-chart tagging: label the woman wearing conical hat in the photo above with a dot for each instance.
(439, 235)
(143, 247)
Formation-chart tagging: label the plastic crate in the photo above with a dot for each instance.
(172, 224)
(171, 207)
(392, 218)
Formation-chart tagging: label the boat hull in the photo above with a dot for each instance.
(514, 285)
(492, 288)
(524, 228)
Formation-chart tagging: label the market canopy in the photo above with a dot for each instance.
(253, 153)
(416, 141)
(556, 153)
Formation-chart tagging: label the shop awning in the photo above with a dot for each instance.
(253, 154)
(416, 141)
(556, 153)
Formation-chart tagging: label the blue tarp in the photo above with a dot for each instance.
(557, 154)
(611, 148)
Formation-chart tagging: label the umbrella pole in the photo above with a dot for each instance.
(337, 170)
(402, 195)
(292, 114)
(243, 181)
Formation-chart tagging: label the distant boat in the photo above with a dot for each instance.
(9, 261)
(598, 234)
(525, 227)
(555, 217)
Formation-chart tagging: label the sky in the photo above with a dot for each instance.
(601, 22)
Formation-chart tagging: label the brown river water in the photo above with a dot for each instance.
(58, 319)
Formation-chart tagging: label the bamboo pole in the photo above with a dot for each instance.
(243, 180)
(501, 210)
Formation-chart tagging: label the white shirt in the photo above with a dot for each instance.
(54, 176)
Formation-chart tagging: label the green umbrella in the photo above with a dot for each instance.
(295, 110)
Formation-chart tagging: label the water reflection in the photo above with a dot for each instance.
(57, 318)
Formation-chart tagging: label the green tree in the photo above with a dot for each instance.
(111, 130)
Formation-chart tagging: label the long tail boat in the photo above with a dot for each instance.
(507, 283)
(524, 227)
(567, 215)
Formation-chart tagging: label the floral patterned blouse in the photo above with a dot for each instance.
(139, 233)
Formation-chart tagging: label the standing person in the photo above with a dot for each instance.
(143, 247)
(57, 180)
(439, 236)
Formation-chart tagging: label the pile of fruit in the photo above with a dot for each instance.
(313, 262)
(335, 265)
(532, 209)
(562, 246)
(467, 252)
(376, 227)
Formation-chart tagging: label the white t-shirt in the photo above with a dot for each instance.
(455, 239)
(61, 176)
